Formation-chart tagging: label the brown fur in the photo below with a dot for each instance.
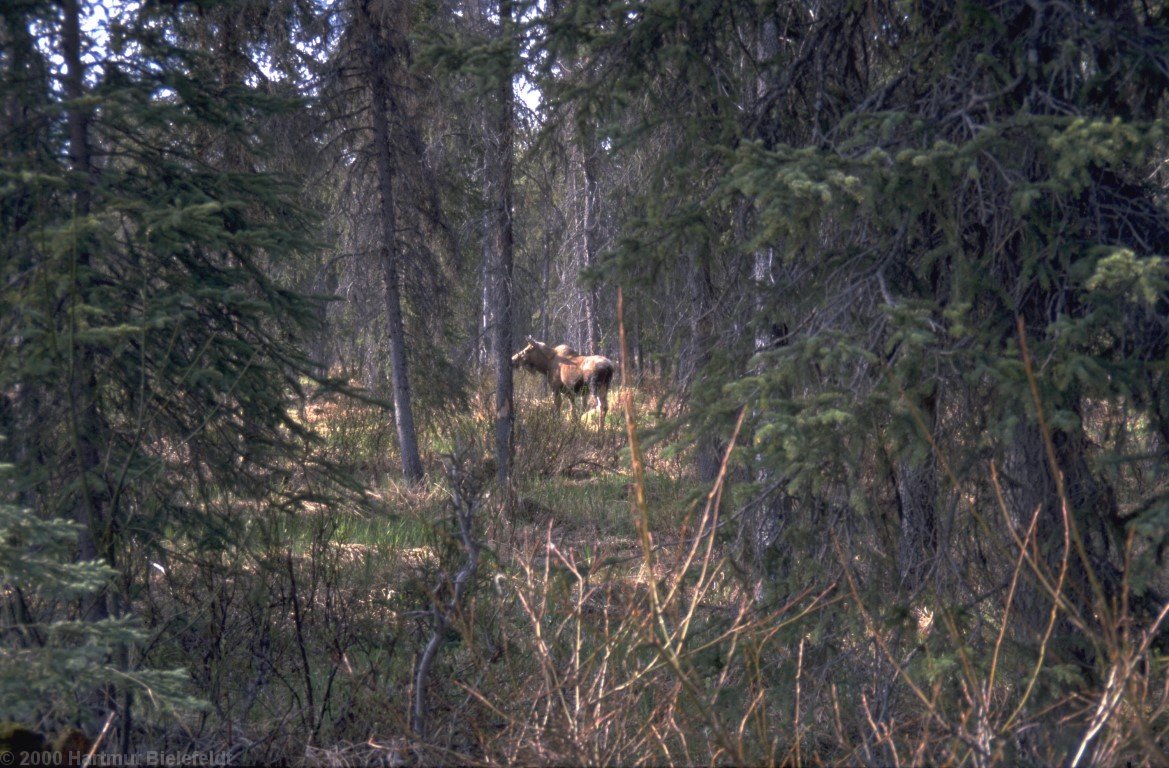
(569, 373)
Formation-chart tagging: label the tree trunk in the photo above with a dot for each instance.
(708, 450)
(917, 509)
(546, 287)
(378, 55)
(1030, 486)
(484, 337)
(764, 257)
(93, 510)
(85, 419)
(591, 234)
(500, 132)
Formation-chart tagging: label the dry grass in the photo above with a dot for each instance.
(610, 622)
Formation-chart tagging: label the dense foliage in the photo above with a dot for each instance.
(895, 340)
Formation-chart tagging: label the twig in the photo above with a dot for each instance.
(299, 623)
(100, 737)
(464, 498)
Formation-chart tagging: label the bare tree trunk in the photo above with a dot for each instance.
(325, 348)
(93, 507)
(764, 257)
(917, 506)
(1032, 488)
(708, 453)
(499, 182)
(486, 319)
(85, 419)
(378, 56)
(574, 318)
(545, 287)
(591, 234)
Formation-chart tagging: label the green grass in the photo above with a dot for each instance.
(604, 502)
(389, 532)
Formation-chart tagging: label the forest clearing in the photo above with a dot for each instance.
(861, 313)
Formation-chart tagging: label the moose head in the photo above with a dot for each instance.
(536, 356)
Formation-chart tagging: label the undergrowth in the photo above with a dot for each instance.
(614, 616)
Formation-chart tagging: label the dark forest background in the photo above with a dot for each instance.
(884, 481)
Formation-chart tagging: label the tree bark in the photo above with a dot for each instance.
(917, 506)
(591, 234)
(85, 418)
(708, 453)
(380, 109)
(484, 339)
(499, 182)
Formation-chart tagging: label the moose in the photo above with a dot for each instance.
(568, 372)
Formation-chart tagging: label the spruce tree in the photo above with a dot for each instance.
(150, 364)
(53, 660)
(922, 248)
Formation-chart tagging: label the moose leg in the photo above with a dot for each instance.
(570, 396)
(570, 393)
(602, 401)
(597, 392)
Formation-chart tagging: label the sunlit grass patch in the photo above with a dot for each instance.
(603, 502)
(390, 532)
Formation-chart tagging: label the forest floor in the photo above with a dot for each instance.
(571, 474)
(567, 544)
(595, 630)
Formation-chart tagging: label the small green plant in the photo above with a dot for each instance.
(60, 646)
